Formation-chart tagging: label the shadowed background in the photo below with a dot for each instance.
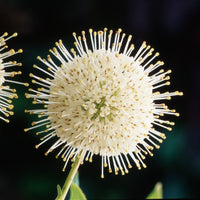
(172, 28)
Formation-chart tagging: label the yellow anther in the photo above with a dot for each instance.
(27, 95)
(20, 51)
(129, 166)
(129, 37)
(151, 50)
(10, 96)
(150, 154)
(15, 34)
(139, 168)
(9, 101)
(120, 30)
(160, 141)
(12, 51)
(169, 71)
(10, 107)
(5, 34)
(157, 146)
(15, 96)
(162, 135)
(33, 123)
(132, 46)
(144, 165)
(144, 44)
(6, 114)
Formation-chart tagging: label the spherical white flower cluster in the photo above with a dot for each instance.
(102, 100)
(6, 93)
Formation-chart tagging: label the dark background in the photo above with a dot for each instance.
(172, 28)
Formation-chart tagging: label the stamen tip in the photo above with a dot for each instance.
(15, 34)
(20, 51)
(5, 34)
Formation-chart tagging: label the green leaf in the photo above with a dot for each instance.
(59, 190)
(157, 192)
(76, 193)
(76, 178)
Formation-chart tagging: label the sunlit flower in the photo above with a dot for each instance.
(102, 100)
(6, 93)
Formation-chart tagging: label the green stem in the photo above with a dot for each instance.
(70, 177)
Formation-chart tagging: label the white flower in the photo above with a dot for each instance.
(102, 100)
(6, 93)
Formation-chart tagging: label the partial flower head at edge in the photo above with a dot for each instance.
(6, 75)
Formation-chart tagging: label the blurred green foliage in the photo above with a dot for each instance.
(157, 192)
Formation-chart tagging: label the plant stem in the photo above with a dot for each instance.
(70, 177)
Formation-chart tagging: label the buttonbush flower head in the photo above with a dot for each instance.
(6, 93)
(102, 100)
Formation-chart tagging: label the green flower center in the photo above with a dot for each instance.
(101, 109)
